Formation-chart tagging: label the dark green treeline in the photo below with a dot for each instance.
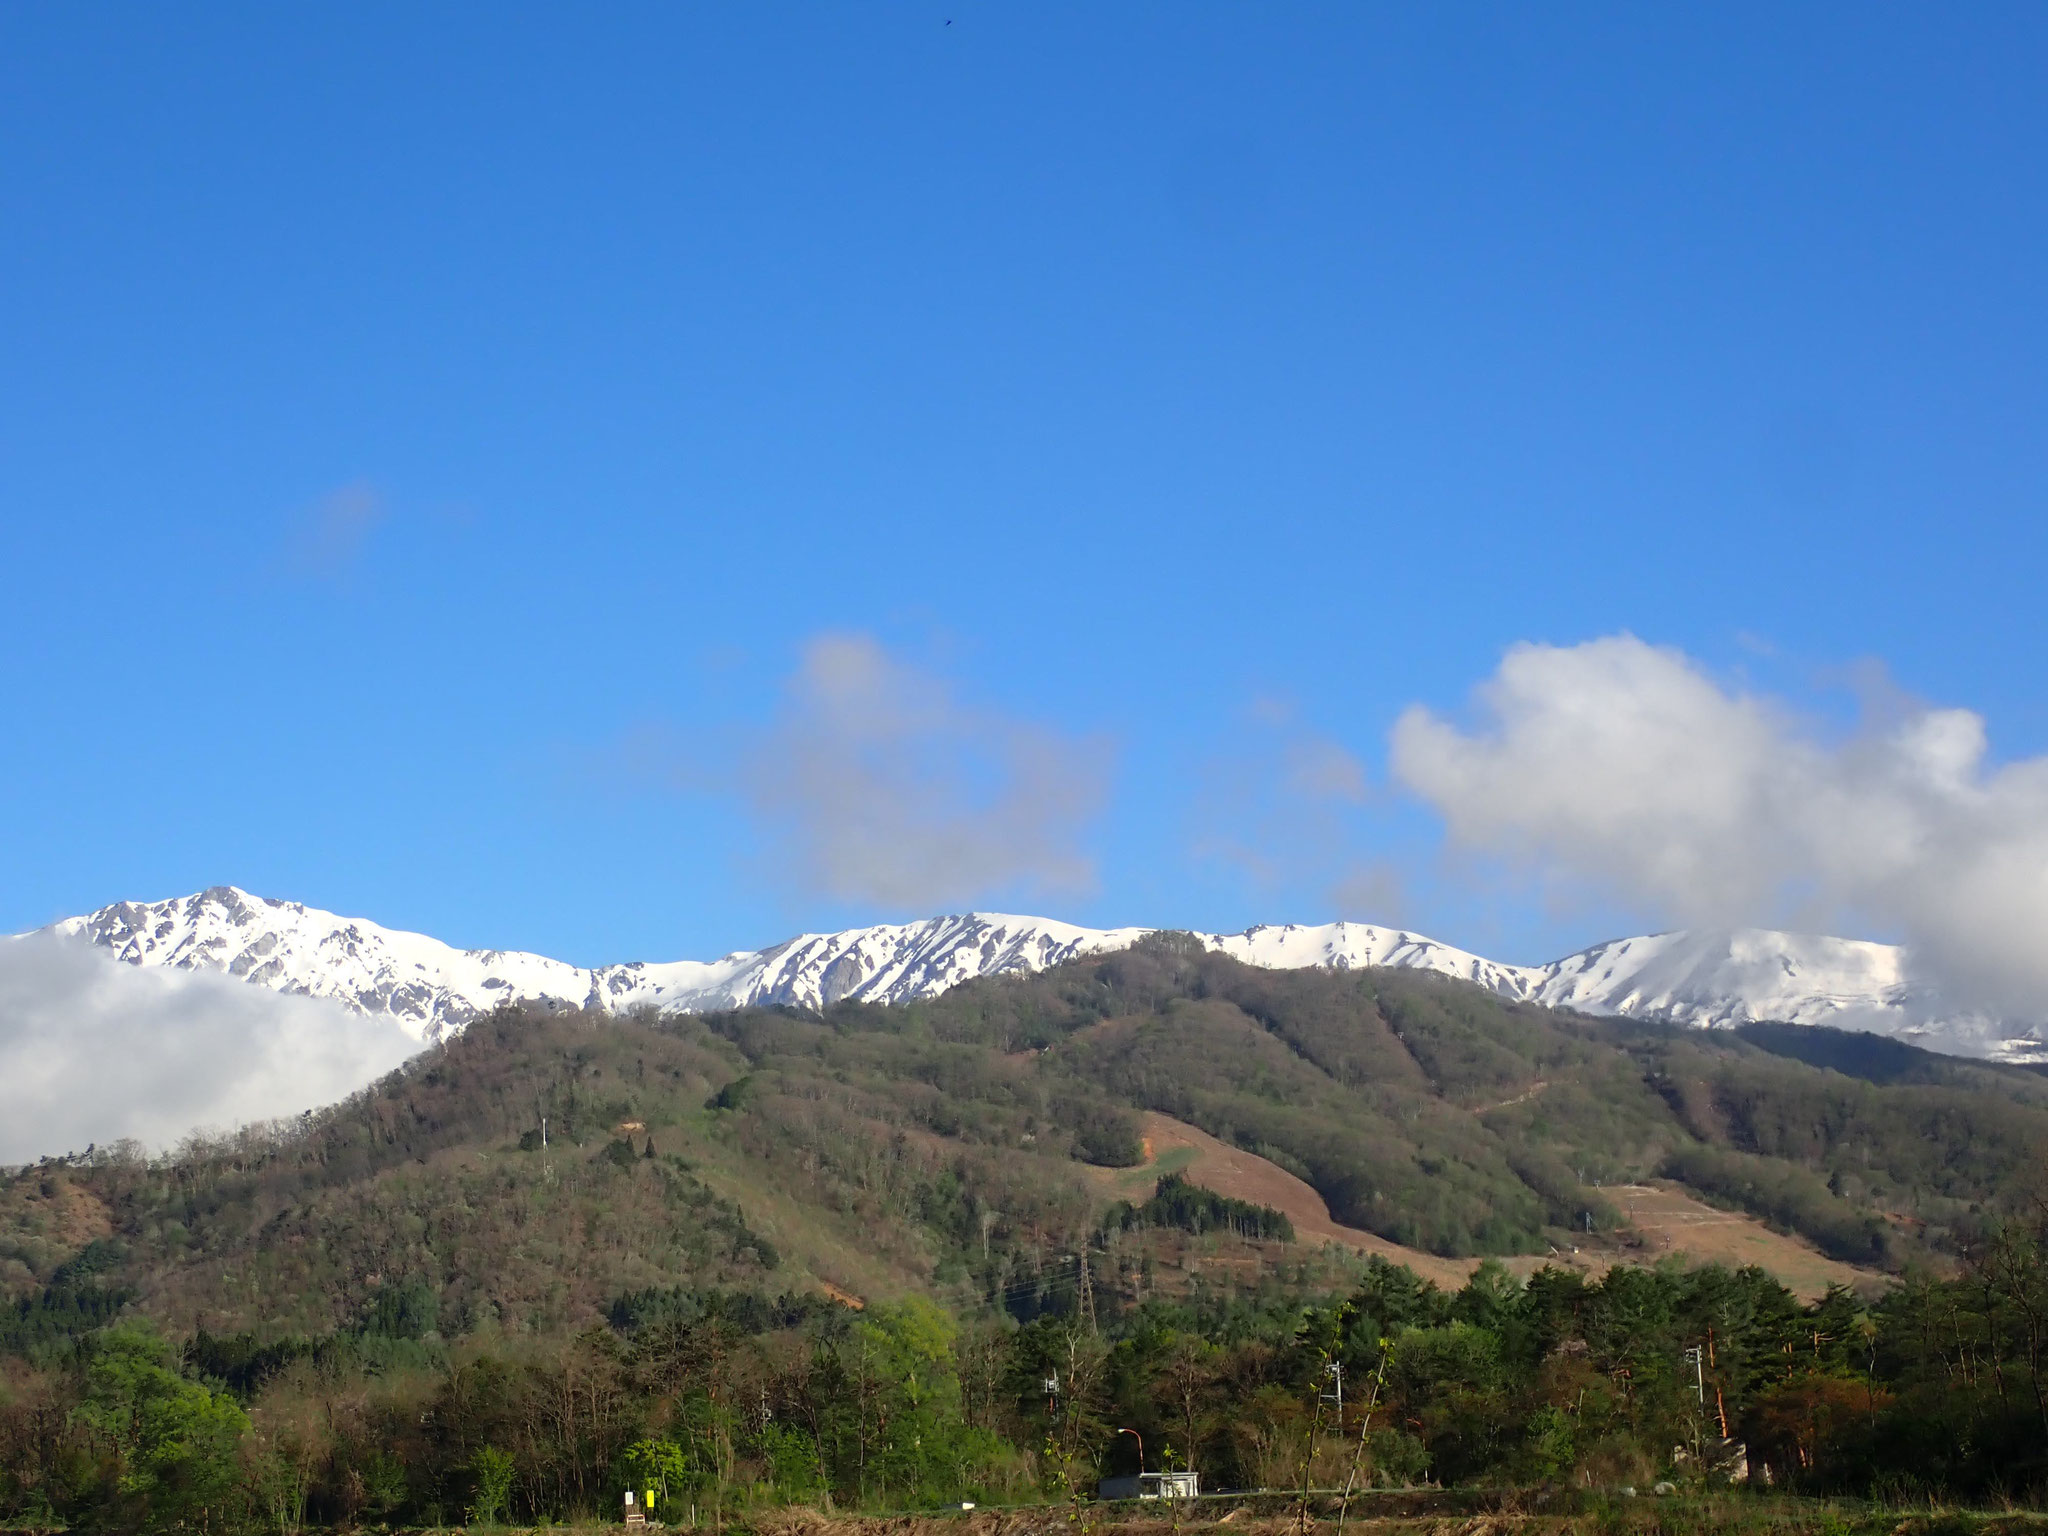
(721, 1400)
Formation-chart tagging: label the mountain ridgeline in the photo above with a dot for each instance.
(530, 1171)
(1712, 977)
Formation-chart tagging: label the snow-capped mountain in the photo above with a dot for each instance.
(1704, 977)
(430, 989)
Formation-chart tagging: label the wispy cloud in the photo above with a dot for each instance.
(328, 538)
(1280, 807)
(1626, 770)
(94, 1051)
(876, 783)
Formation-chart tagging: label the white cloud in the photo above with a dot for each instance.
(1625, 769)
(877, 784)
(92, 1050)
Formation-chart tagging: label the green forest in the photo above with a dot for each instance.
(885, 1258)
(722, 1402)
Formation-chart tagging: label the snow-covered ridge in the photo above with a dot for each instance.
(1699, 977)
(433, 989)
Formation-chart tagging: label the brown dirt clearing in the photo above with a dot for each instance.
(1175, 1147)
(1673, 1221)
(1668, 1219)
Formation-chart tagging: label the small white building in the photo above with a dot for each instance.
(1151, 1485)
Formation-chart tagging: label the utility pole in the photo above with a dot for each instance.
(1696, 1358)
(1720, 1402)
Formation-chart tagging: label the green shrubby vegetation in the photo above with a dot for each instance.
(1190, 1208)
(722, 1401)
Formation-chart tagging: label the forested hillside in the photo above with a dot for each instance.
(539, 1165)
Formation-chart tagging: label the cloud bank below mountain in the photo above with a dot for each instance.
(92, 1050)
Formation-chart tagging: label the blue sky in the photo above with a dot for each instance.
(440, 446)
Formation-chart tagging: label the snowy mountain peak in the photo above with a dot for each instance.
(422, 983)
(1702, 977)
